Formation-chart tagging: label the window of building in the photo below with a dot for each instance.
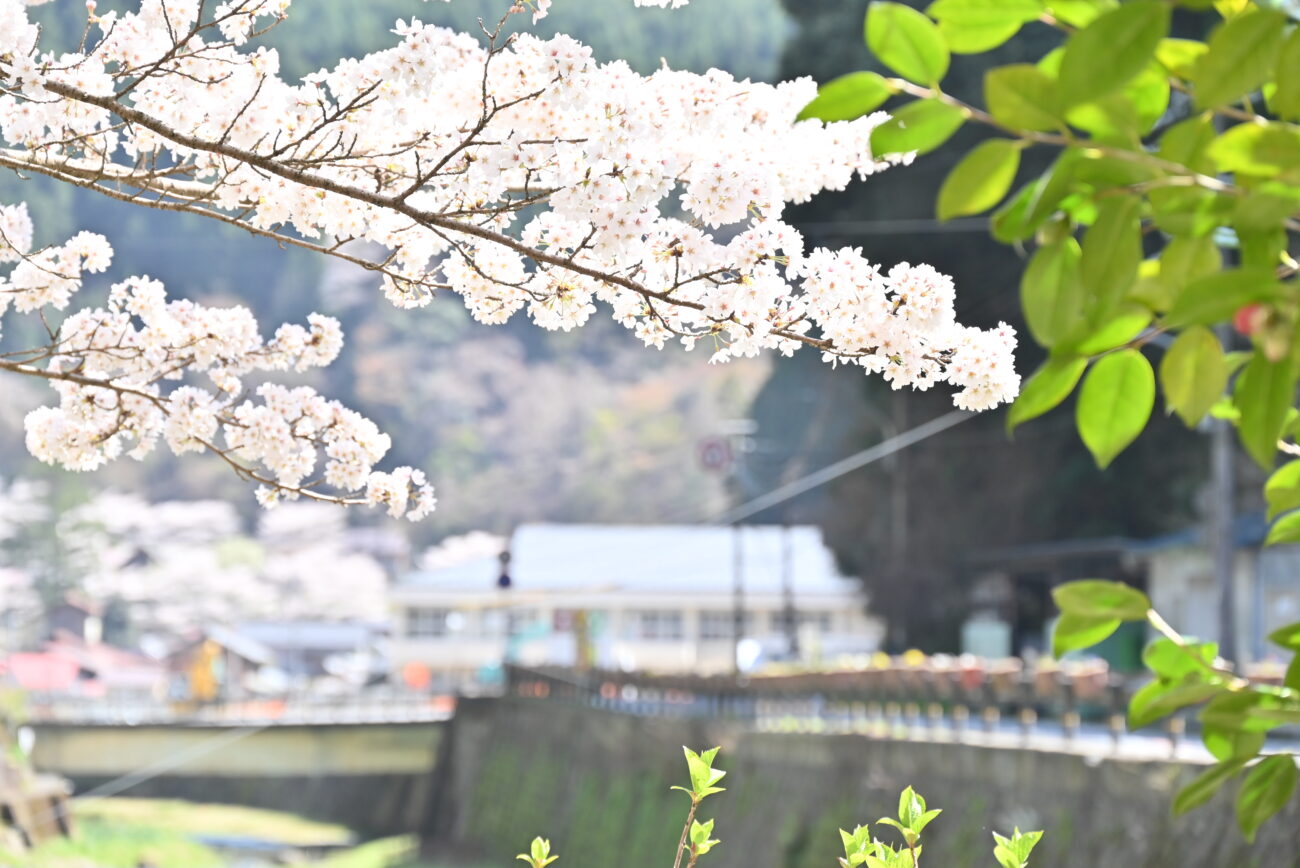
(657, 625)
(721, 625)
(425, 622)
(820, 621)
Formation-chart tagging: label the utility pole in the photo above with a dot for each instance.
(738, 593)
(1223, 542)
(789, 614)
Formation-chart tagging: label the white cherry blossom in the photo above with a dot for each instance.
(517, 174)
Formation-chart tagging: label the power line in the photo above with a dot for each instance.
(847, 465)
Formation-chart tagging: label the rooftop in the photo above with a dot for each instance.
(669, 559)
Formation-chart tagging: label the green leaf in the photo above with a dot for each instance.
(1170, 660)
(1261, 148)
(974, 26)
(1287, 637)
(1282, 491)
(1203, 788)
(1115, 403)
(980, 180)
(1079, 13)
(1193, 374)
(1285, 101)
(907, 42)
(1265, 791)
(1241, 55)
(919, 126)
(910, 806)
(1114, 48)
(1285, 530)
(1123, 326)
(1098, 598)
(1184, 260)
(1073, 632)
(1229, 744)
(1162, 698)
(1178, 56)
(1112, 250)
(1022, 97)
(1049, 386)
(848, 97)
(1264, 393)
(1014, 852)
(1216, 297)
(1050, 292)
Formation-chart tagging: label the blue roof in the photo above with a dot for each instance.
(669, 559)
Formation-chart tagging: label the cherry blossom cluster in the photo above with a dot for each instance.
(128, 374)
(514, 172)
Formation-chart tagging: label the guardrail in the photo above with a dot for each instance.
(262, 711)
(1078, 707)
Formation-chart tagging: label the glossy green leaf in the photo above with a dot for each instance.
(1073, 632)
(907, 42)
(1183, 261)
(848, 97)
(1216, 297)
(973, 26)
(1286, 530)
(1049, 386)
(1241, 55)
(1115, 403)
(1203, 788)
(1265, 791)
(1161, 698)
(1287, 637)
(1022, 97)
(980, 180)
(1103, 56)
(1282, 491)
(1229, 744)
(1079, 13)
(1178, 56)
(1285, 100)
(1193, 374)
(1170, 660)
(1260, 148)
(1098, 598)
(1112, 250)
(1264, 393)
(1125, 324)
(1050, 292)
(919, 126)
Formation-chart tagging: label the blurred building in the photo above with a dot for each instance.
(1012, 610)
(656, 598)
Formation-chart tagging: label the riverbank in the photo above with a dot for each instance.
(126, 833)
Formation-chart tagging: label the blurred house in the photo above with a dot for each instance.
(70, 667)
(1012, 609)
(218, 663)
(1266, 585)
(657, 598)
(350, 651)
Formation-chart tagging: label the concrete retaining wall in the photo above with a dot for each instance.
(597, 782)
(374, 778)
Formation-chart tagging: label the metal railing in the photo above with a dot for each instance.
(1075, 709)
(286, 710)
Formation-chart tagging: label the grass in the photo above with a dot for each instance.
(125, 833)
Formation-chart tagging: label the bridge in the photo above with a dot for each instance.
(368, 766)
